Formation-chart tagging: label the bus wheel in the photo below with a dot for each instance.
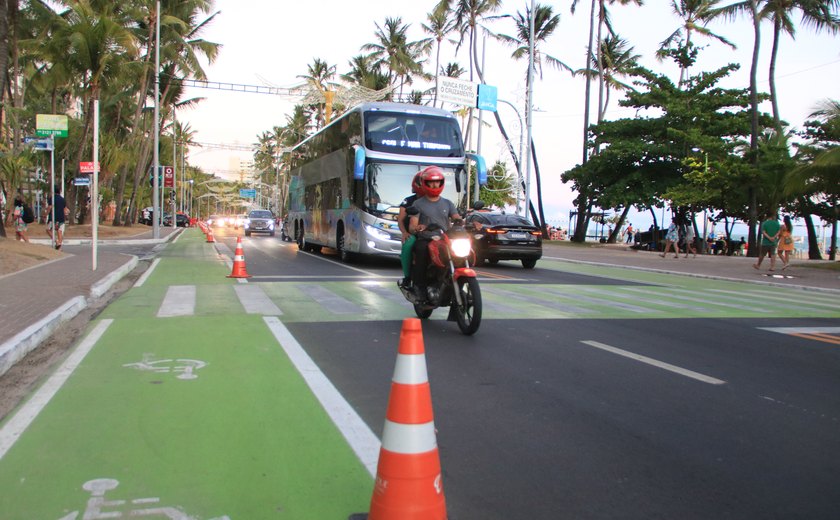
(343, 254)
(301, 242)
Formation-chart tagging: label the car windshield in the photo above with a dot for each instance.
(508, 220)
(260, 214)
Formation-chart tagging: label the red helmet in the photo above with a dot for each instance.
(429, 174)
(417, 185)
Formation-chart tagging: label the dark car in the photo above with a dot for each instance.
(499, 236)
(181, 220)
(259, 221)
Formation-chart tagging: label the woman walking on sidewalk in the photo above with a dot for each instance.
(786, 242)
(20, 223)
(672, 237)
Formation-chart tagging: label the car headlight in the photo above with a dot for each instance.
(461, 247)
(377, 233)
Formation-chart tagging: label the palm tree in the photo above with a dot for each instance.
(695, 14)
(816, 13)
(365, 72)
(319, 75)
(440, 25)
(617, 60)
(394, 51)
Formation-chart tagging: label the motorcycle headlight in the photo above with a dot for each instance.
(461, 247)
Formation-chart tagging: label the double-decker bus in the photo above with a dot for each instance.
(347, 180)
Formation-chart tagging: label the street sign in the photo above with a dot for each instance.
(39, 143)
(487, 97)
(457, 91)
(247, 194)
(51, 124)
(81, 181)
(86, 167)
(168, 177)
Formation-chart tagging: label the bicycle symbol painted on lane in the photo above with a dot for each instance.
(97, 505)
(185, 368)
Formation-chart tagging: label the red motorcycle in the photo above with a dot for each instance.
(451, 282)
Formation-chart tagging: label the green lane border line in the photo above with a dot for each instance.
(364, 443)
(21, 420)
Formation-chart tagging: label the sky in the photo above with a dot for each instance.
(270, 43)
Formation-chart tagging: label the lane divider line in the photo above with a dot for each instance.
(656, 363)
(145, 276)
(358, 434)
(15, 427)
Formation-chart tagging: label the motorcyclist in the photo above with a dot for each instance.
(407, 238)
(432, 210)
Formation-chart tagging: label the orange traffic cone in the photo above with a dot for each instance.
(239, 270)
(209, 235)
(408, 477)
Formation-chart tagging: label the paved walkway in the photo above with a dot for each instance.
(37, 300)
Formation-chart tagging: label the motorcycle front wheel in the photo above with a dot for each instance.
(468, 314)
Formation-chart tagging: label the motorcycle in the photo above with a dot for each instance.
(451, 282)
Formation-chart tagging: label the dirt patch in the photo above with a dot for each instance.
(28, 373)
(18, 255)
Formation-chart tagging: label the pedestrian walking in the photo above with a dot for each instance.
(689, 240)
(20, 217)
(785, 242)
(672, 238)
(630, 231)
(61, 212)
(769, 239)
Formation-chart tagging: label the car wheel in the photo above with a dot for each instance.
(529, 263)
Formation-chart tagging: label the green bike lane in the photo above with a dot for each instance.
(203, 414)
(200, 416)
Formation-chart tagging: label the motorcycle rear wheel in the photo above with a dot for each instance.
(468, 315)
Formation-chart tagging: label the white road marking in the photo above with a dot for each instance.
(803, 330)
(360, 437)
(13, 429)
(255, 301)
(313, 255)
(145, 276)
(656, 363)
(179, 301)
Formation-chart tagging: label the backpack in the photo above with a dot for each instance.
(28, 215)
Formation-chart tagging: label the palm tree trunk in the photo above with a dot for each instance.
(753, 203)
(773, 99)
(813, 244)
(599, 59)
(582, 200)
(541, 221)
(618, 225)
(437, 71)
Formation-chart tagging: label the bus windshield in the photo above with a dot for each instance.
(412, 134)
(387, 184)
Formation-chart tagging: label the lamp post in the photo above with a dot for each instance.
(519, 158)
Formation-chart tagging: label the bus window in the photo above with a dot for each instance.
(413, 134)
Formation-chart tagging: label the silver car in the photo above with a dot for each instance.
(259, 221)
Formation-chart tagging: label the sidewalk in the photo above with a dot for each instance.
(800, 274)
(39, 299)
(44, 297)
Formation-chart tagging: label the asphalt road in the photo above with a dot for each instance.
(588, 394)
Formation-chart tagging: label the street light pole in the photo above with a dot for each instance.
(156, 206)
(519, 158)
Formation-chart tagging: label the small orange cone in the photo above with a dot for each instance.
(408, 477)
(239, 270)
(209, 235)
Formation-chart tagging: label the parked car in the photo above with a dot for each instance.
(146, 216)
(499, 236)
(181, 220)
(259, 221)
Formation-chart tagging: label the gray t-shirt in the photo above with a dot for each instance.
(437, 212)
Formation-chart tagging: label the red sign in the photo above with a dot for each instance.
(168, 177)
(86, 167)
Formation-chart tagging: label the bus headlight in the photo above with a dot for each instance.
(461, 247)
(377, 233)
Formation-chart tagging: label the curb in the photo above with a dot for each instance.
(118, 242)
(24, 342)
